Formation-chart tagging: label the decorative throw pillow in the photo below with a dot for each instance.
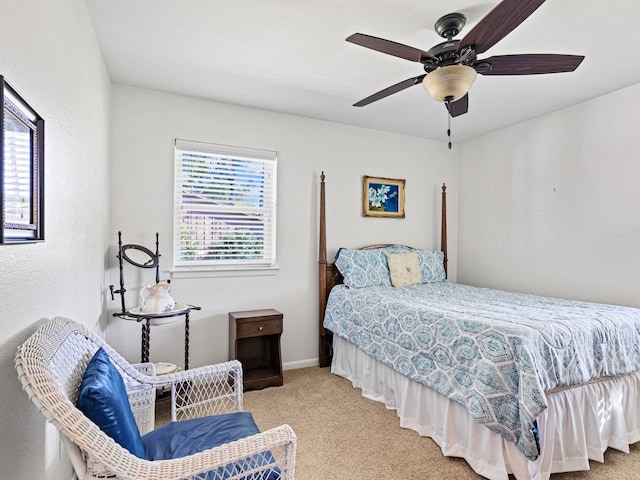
(404, 269)
(103, 399)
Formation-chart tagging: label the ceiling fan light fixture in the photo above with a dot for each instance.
(449, 83)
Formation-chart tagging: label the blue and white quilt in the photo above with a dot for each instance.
(493, 351)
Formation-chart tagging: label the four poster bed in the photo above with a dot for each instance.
(513, 383)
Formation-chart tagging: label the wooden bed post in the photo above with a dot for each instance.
(443, 228)
(324, 353)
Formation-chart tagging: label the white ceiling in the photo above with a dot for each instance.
(291, 56)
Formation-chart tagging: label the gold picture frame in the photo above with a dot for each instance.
(382, 197)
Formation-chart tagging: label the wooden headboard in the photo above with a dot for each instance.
(329, 276)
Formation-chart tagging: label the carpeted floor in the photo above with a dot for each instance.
(343, 436)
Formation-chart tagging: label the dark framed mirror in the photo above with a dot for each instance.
(139, 256)
(21, 169)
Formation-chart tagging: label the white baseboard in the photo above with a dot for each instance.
(311, 362)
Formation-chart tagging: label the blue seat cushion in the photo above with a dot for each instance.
(103, 399)
(179, 439)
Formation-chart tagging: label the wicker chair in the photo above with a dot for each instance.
(51, 364)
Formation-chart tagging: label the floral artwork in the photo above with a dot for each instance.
(383, 197)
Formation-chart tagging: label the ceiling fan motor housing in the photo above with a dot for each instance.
(445, 52)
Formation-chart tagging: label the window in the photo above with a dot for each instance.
(21, 169)
(225, 208)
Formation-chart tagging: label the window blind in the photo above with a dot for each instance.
(17, 175)
(225, 206)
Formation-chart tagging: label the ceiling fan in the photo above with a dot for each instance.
(451, 67)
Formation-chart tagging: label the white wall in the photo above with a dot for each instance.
(144, 125)
(551, 206)
(49, 53)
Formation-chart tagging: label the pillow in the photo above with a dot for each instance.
(431, 265)
(103, 399)
(363, 268)
(179, 439)
(404, 269)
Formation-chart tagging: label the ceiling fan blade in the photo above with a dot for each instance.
(459, 107)
(409, 82)
(530, 64)
(498, 23)
(389, 47)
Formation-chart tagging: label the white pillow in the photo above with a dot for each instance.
(404, 269)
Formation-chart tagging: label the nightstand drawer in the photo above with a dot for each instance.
(260, 327)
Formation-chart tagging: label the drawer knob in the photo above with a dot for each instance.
(260, 328)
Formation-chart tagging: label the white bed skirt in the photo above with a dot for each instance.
(580, 423)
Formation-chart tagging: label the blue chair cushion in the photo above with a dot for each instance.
(179, 439)
(103, 399)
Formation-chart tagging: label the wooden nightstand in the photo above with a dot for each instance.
(254, 340)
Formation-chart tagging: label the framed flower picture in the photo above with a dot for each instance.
(382, 197)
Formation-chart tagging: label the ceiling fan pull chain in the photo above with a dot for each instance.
(449, 127)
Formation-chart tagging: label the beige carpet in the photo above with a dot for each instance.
(343, 436)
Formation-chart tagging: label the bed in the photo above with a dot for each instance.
(513, 383)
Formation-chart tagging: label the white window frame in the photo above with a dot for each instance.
(253, 252)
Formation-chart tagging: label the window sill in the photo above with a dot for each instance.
(208, 272)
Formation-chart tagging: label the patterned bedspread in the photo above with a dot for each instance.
(495, 352)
